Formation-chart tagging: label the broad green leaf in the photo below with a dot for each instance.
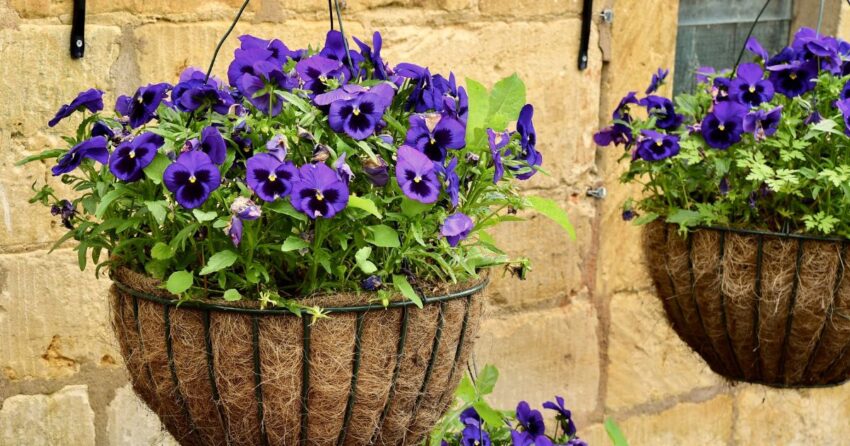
(161, 251)
(486, 381)
(383, 236)
(219, 261)
(232, 295)
(363, 262)
(107, 199)
(47, 154)
(615, 434)
(365, 204)
(158, 209)
(479, 106)
(550, 209)
(649, 217)
(179, 281)
(157, 167)
(204, 216)
(412, 208)
(406, 290)
(284, 207)
(466, 390)
(488, 414)
(684, 217)
(507, 99)
(294, 243)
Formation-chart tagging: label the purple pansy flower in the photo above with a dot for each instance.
(576, 442)
(474, 436)
(844, 107)
(357, 117)
(277, 146)
(434, 134)
(318, 191)
(94, 148)
(456, 227)
(720, 89)
(67, 210)
(343, 169)
(234, 230)
(376, 171)
(416, 175)
(496, 152)
(662, 110)
(371, 283)
(564, 415)
(470, 417)
(194, 93)
(91, 100)
(245, 209)
(755, 47)
(261, 86)
(212, 143)
(130, 158)
(100, 128)
(657, 80)
(723, 127)
(270, 177)
(528, 141)
(452, 181)
(749, 88)
(791, 76)
(253, 50)
(619, 132)
(316, 70)
(763, 123)
(657, 146)
(629, 214)
(373, 55)
(141, 108)
(192, 178)
(533, 429)
(702, 74)
(334, 49)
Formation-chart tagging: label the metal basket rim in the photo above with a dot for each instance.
(198, 305)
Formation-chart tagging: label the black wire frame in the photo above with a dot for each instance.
(834, 374)
(256, 315)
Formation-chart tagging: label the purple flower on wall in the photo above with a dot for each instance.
(357, 117)
(317, 70)
(94, 148)
(657, 80)
(497, 142)
(662, 110)
(749, 88)
(130, 158)
(270, 177)
(763, 123)
(318, 192)
(656, 146)
(528, 141)
(141, 108)
(416, 175)
(723, 127)
(434, 134)
(192, 178)
(791, 76)
(456, 227)
(619, 132)
(91, 100)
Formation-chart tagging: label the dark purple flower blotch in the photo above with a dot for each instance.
(357, 117)
(130, 158)
(270, 177)
(657, 146)
(763, 123)
(416, 175)
(192, 178)
(456, 227)
(723, 127)
(94, 148)
(434, 134)
(791, 76)
(141, 108)
(657, 80)
(318, 191)
(91, 100)
(261, 87)
(315, 71)
(749, 88)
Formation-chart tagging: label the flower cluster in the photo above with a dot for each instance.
(304, 170)
(764, 145)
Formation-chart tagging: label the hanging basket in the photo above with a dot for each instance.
(761, 307)
(239, 375)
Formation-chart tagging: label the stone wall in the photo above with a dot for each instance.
(586, 325)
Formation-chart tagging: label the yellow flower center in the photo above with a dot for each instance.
(323, 78)
(132, 154)
(721, 127)
(659, 143)
(192, 179)
(417, 179)
(319, 196)
(433, 140)
(272, 177)
(752, 89)
(793, 76)
(356, 112)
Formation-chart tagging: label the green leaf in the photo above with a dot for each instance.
(383, 236)
(412, 208)
(157, 167)
(506, 101)
(488, 414)
(47, 154)
(284, 207)
(684, 217)
(179, 281)
(649, 217)
(362, 259)
(108, 199)
(365, 204)
(219, 261)
(550, 209)
(465, 390)
(294, 243)
(161, 251)
(232, 295)
(406, 290)
(159, 210)
(204, 216)
(615, 434)
(486, 381)
(479, 106)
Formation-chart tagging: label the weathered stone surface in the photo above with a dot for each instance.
(64, 417)
(648, 360)
(131, 422)
(544, 353)
(56, 8)
(521, 8)
(52, 316)
(793, 417)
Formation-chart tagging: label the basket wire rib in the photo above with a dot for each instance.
(839, 276)
(723, 318)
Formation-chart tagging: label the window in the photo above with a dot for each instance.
(712, 33)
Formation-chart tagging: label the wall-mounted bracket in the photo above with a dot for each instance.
(78, 30)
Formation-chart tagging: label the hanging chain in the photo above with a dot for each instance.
(749, 34)
(226, 35)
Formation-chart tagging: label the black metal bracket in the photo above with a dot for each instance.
(78, 30)
(586, 20)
